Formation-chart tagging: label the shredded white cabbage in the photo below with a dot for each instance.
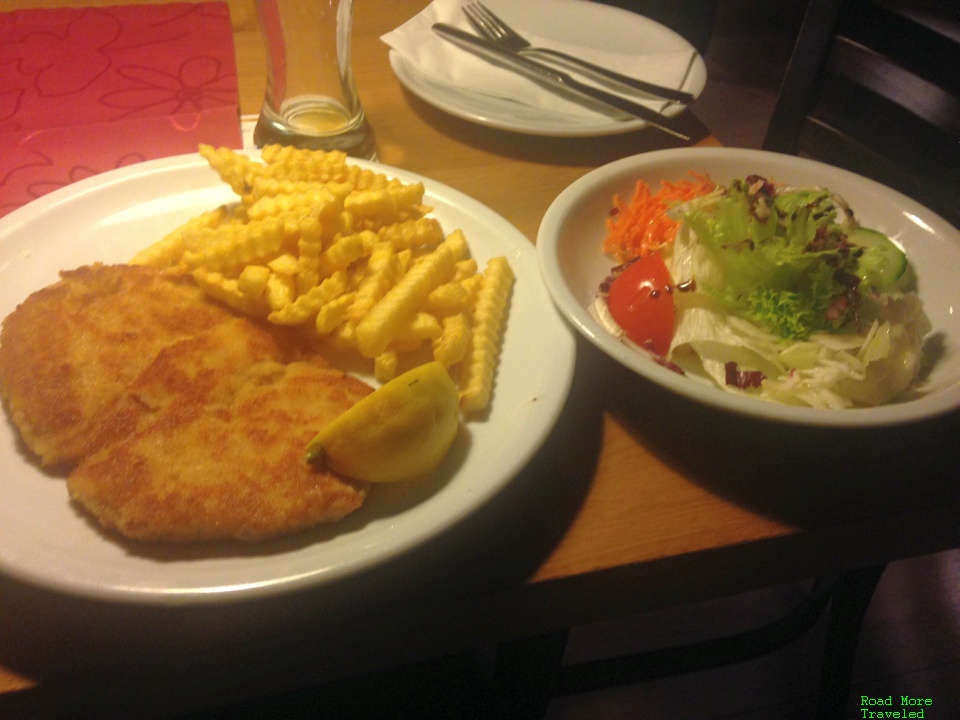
(825, 371)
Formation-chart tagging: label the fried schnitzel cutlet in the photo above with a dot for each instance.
(195, 472)
(70, 350)
(181, 420)
(207, 368)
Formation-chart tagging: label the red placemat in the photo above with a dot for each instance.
(84, 90)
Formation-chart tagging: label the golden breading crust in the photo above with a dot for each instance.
(206, 368)
(202, 472)
(70, 350)
(181, 420)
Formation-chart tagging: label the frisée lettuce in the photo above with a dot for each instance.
(781, 294)
(783, 258)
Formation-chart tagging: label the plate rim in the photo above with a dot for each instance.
(924, 408)
(13, 562)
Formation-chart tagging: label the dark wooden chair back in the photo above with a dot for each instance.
(873, 86)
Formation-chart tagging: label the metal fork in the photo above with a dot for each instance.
(495, 30)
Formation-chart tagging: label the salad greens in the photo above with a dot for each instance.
(788, 298)
(784, 258)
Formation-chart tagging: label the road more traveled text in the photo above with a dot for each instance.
(910, 707)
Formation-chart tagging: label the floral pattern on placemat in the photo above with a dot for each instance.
(85, 90)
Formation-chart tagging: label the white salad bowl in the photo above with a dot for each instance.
(569, 249)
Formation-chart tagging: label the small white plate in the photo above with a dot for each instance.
(46, 541)
(571, 235)
(590, 25)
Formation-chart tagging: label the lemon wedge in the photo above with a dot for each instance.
(400, 431)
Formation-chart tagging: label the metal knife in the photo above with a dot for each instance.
(553, 79)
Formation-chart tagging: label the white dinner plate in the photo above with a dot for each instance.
(571, 236)
(47, 541)
(590, 25)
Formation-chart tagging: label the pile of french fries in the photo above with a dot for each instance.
(314, 241)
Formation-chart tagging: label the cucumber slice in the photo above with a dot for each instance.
(882, 263)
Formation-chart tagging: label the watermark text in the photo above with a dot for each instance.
(903, 706)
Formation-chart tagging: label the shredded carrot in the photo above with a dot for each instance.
(642, 226)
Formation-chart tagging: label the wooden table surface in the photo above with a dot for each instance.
(638, 500)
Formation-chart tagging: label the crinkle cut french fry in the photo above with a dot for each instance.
(310, 242)
(447, 299)
(235, 169)
(227, 291)
(307, 279)
(301, 157)
(385, 366)
(332, 313)
(233, 247)
(296, 164)
(378, 327)
(478, 366)
(344, 337)
(374, 205)
(321, 203)
(310, 190)
(167, 251)
(273, 205)
(422, 326)
(472, 286)
(413, 233)
(308, 305)
(386, 205)
(405, 258)
(309, 247)
(272, 187)
(343, 252)
(451, 347)
(408, 197)
(364, 178)
(284, 264)
(281, 291)
(253, 280)
(466, 268)
(288, 164)
(382, 269)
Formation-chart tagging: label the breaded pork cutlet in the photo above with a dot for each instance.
(207, 368)
(181, 420)
(234, 470)
(70, 350)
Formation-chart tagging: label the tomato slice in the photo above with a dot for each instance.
(641, 301)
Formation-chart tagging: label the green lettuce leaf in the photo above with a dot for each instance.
(783, 257)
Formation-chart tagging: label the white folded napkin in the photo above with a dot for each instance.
(441, 60)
